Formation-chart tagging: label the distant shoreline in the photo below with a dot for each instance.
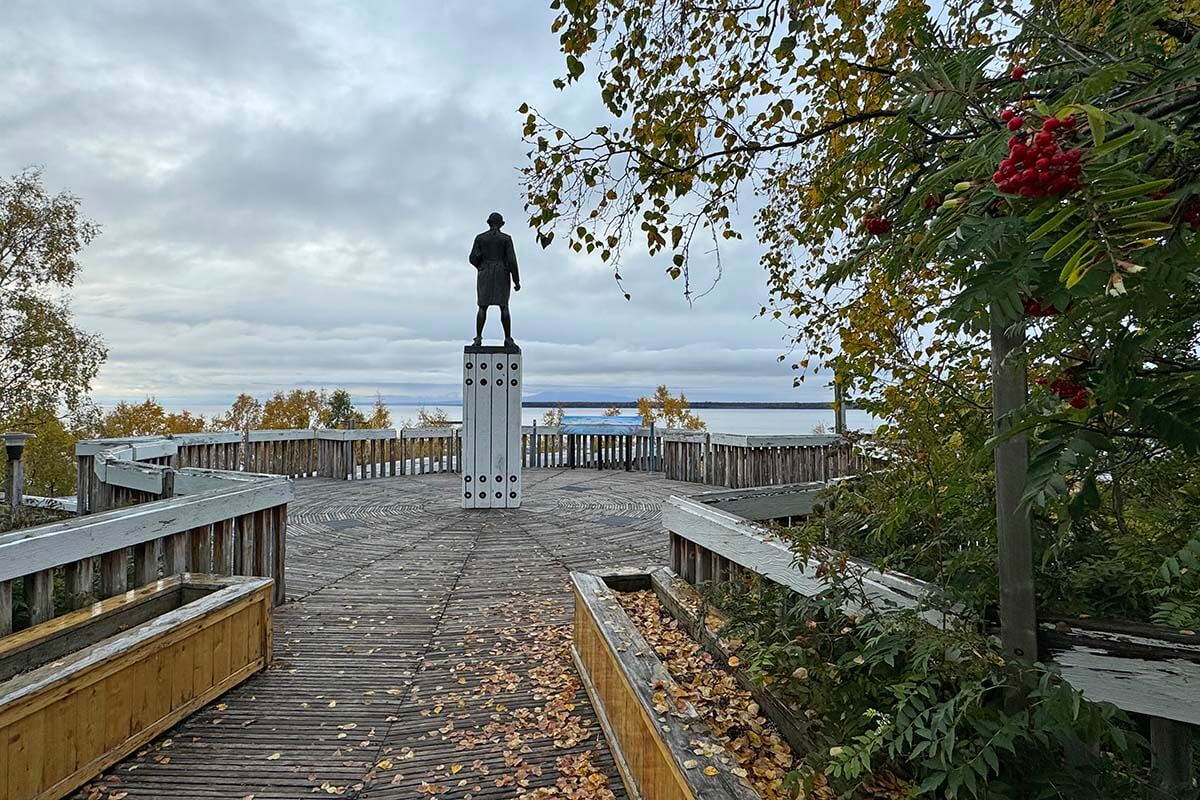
(699, 404)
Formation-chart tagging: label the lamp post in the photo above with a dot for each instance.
(14, 447)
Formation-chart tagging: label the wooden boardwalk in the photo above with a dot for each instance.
(422, 650)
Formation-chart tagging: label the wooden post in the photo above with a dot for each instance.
(839, 408)
(39, 596)
(1170, 758)
(1018, 611)
(6, 608)
(650, 468)
(14, 486)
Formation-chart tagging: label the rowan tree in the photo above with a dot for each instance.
(912, 168)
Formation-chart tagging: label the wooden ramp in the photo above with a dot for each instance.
(422, 652)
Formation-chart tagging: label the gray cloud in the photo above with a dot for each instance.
(288, 193)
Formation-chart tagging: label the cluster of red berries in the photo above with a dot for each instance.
(1034, 308)
(1038, 166)
(876, 226)
(1068, 391)
(1191, 213)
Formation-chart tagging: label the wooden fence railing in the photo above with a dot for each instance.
(1140, 668)
(146, 519)
(714, 459)
(736, 461)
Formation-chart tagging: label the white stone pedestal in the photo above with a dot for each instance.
(491, 457)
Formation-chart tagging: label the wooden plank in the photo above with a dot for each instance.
(622, 667)
(755, 548)
(31, 549)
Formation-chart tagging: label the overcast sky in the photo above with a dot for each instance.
(288, 192)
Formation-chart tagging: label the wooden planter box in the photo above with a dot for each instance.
(82, 691)
(622, 674)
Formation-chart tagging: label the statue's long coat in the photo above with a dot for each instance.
(493, 255)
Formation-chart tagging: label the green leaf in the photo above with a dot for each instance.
(1116, 144)
(1051, 224)
(1096, 123)
(1066, 241)
(1144, 207)
(1134, 191)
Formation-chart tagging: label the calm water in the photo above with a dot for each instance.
(720, 420)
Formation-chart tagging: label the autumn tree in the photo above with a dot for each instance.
(553, 417)
(381, 416)
(437, 418)
(246, 413)
(914, 169)
(299, 408)
(45, 361)
(147, 418)
(667, 410)
(612, 412)
(947, 197)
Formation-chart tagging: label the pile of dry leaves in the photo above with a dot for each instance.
(763, 757)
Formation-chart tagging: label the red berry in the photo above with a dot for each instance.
(1007, 114)
(1018, 73)
(1074, 155)
(1019, 151)
(1080, 399)
(1042, 163)
(1013, 141)
(1051, 124)
(1015, 123)
(1070, 122)
(1044, 138)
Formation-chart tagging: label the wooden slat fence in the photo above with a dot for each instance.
(714, 459)
(147, 520)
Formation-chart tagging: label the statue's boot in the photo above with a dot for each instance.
(508, 342)
(478, 341)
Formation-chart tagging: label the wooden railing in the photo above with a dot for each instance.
(737, 461)
(145, 519)
(714, 459)
(1143, 669)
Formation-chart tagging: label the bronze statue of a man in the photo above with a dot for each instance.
(493, 256)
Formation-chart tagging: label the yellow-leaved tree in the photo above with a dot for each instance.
(665, 409)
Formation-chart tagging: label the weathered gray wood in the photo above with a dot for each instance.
(114, 572)
(78, 582)
(31, 549)
(6, 608)
(145, 562)
(754, 547)
(1018, 609)
(765, 503)
(1170, 758)
(39, 596)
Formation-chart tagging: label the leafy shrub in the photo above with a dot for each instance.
(888, 693)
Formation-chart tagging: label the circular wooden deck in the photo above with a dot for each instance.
(422, 649)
